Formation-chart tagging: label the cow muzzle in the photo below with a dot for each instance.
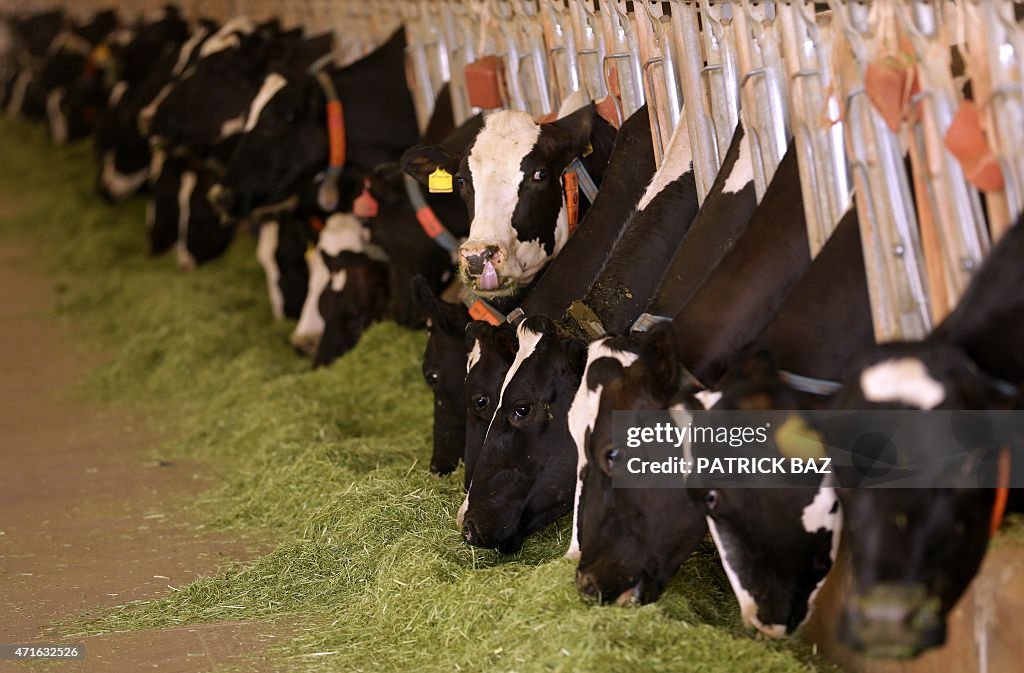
(894, 620)
(481, 265)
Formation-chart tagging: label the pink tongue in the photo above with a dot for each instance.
(489, 278)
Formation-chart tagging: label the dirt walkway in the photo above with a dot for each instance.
(83, 508)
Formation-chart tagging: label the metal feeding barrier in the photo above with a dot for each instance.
(793, 72)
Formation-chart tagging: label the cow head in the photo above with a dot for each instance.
(510, 180)
(524, 476)
(444, 369)
(356, 293)
(630, 541)
(914, 551)
(491, 352)
(776, 545)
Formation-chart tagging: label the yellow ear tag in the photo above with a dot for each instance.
(101, 54)
(589, 150)
(795, 439)
(440, 182)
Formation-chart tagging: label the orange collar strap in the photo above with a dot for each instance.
(1002, 491)
(335, 120)
(571, 185)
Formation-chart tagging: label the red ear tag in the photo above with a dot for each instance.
(365, 206)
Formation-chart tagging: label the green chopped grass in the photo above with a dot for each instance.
(333, 465)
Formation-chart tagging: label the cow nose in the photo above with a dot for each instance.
(474, 257)
(470, 533)
(895, 620)
(222, 198)
(587, 586)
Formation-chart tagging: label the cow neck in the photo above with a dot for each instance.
(328, 195)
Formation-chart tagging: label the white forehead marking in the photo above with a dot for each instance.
(271, 85)
(748, 606)
(232, 126)
(198, 35)
(507, 137)
(311, 324)
(474, 356)
(462, 510)
(582, 417)
(819, 515)
(266, 246)
(55, 113)
(528, 340)
(227, 36)
(678, 160)
(742, 171)
(185, 189)
(117, 92)
(342, 232)
(708, 398)
(147, 113)
(902, 380)
(338, 280)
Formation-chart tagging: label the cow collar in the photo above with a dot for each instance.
(1002, 491)
(327, 195)
(480, 309)
(428, 220)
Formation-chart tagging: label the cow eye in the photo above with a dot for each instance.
(522, 410)
(481, 402)
(711, 499)
(431, 377)
(540, 175)
(613, 456)
(460, 181)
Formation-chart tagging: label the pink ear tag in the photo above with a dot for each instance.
(365, 206)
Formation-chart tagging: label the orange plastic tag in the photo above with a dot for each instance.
(336, 133)
(572, 199)
(429, 222)
(479, 311)
(365, 206)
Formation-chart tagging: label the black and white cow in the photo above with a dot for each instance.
(144, 65)
(444, 367)
(32, 36)
(629, 169)
(356, 292)
(511, 182)
(915, 552)
(208, 101)
(73, 77)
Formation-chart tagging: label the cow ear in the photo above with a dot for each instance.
(506, 340)
(578, 128)
(577, 354)
(752, 365)
(539, 324)
(660, 362)
(474, 328)
(421, 161)
(425, 301)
